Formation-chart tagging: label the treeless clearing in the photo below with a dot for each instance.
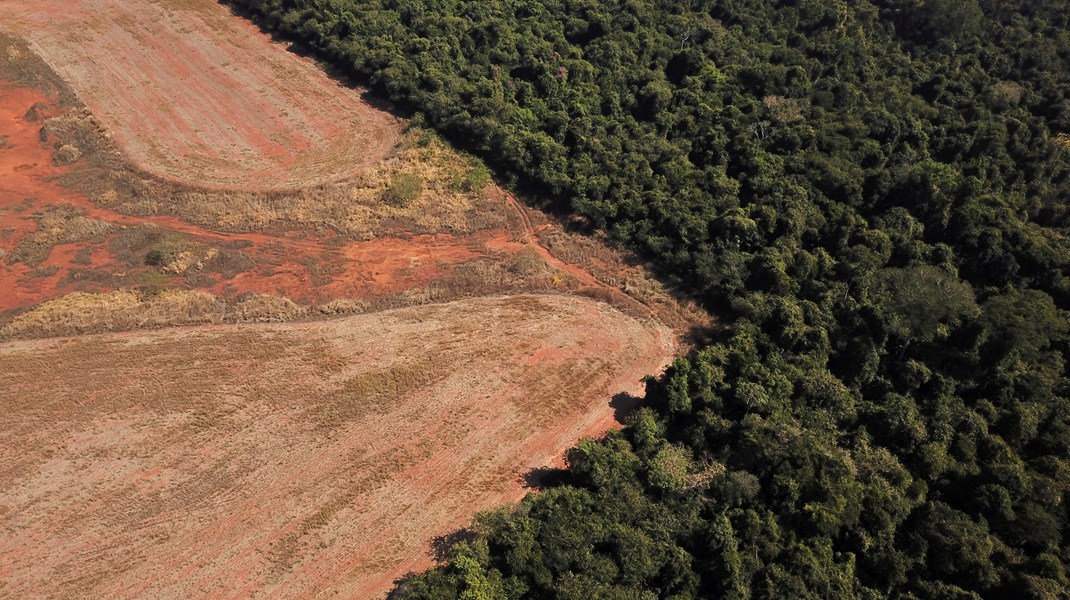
(292, 460)
(45, 226)
(194, 95)
(305, 267)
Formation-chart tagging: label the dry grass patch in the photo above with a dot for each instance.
(263, 308)
(21, 65)
(343, 306)
(411, 192)
(152, 306)
(114, 311)
(424, 187)
(56, 225)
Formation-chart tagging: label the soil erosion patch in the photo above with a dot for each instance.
(292, 459)
(194, 95)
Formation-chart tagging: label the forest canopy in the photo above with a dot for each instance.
(871, 194)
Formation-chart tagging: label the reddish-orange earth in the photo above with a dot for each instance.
(280, 460)
(195, 95)
(301, 266)
(280, 265)
(294, 460)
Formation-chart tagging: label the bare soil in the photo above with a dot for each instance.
(333, 248)
(292, 460)
(55, 241)
(194, 95)
(287, 459)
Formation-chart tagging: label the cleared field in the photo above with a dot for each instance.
(285, 460)
(292, 460)
(65, 230)
(54, 240)
(194, 95)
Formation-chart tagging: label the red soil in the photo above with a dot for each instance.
(299, 266)
(194, 95)
(283, 265)
(241, 460)
(271, 460)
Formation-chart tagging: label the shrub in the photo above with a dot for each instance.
(403, 190)
(65, 155)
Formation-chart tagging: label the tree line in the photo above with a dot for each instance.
(873, 193)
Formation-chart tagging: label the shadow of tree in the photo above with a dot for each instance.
(399, 592)
(441, 549)
(443, 544)
(541, 478)
(624, 406)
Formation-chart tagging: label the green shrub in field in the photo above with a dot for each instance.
(476, 179)
(404, 189)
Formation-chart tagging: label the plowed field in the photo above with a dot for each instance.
(195, 95)
(299, 459)
(291, 460)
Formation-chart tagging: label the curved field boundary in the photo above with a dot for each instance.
(195, 95)
(292, 460)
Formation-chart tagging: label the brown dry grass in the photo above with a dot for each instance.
(150, 306)
(354, 208)
(82, 312)
(292, 460)
(19, 64)
(56, 225)
(124, 310)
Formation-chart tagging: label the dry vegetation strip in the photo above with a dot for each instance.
(195, 95)
(291, 459)
(93, 243)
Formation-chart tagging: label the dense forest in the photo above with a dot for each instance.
(871, 194)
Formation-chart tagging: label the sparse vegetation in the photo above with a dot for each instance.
(65, 155)
(262, 308)
(473, 180)
(423, 188)
(114, 311)
(56, 225)
(153, 305)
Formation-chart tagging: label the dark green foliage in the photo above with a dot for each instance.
(873, 194)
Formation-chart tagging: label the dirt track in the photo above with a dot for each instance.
(195, 95)
(281, 460)
(284, 265)
(291, 460)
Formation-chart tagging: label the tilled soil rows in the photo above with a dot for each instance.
(292, 460)
(195, 95)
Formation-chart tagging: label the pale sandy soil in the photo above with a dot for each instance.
(292, 460)
(195, 95)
